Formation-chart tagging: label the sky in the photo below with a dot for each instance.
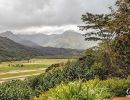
(47, 16)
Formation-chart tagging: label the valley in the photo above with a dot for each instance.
(22, 69)
(64, 49)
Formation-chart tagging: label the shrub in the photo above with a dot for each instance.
(70, 72)
(115, 86)
(15, 90)
(76, 91)
(90, 90)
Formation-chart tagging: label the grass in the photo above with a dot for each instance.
(6, 68)
(29, 65)
(48, 61)
(76, 91)
(20, 74)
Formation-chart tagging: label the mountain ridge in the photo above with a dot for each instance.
(10, 50)
(68, 39)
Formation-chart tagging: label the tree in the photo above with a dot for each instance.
(98, 28)
(121, 26)
(114, 31)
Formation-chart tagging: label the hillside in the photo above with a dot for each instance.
(10, 50)
(68, 39)
(17, 39)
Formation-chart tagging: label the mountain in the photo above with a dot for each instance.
(40, 39)
(68, 39)
(17, 39)
(10, 50)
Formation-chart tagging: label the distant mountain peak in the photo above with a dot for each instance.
(7, 33)
(70, 31)
(18, 39)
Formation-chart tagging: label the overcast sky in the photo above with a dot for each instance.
(47, 16)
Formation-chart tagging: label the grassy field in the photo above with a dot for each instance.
(28, 65)
(8, 75)
(22, 69)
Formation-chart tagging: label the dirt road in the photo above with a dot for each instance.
(19, 76)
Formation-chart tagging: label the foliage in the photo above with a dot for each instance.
(109, 59)
(86, 68)
(15, 90)
(54, 66)
(90, 90)
(114, 31)
(71, 71)
(76, 91)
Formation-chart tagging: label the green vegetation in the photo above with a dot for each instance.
(8, 75)
(99, 89)
(76, 91)
(29, 64)
(25, 68)
(103, 70)
(89, 90)
(10, 50)
(15, 90)
(6, 68)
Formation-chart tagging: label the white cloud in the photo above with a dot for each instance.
(41, 15)
(47, 29)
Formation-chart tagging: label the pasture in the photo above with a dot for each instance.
(24, 68)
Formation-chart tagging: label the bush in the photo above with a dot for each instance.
(15, 90)
(86, 68)
(70, 72)
(90, 90)
(116, 87)
(76, 91)
(83, 69)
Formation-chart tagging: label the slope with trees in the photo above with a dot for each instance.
(10, 50)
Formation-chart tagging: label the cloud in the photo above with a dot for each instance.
(25, 14)
(47, 29)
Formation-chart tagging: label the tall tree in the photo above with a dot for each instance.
(114, 31)
(121, 26)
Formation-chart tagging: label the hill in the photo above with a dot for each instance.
(10, 50)
(17, 39)
(68, 39)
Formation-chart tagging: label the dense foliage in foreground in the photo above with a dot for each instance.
(89, 90)
(76, 91)
(86, 68)
(15, 90)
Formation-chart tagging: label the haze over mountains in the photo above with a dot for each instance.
(68, 39)
(10, 50)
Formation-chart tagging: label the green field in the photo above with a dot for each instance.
(28, 65)
(24, 68)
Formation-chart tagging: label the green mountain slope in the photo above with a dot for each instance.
(10, 50)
